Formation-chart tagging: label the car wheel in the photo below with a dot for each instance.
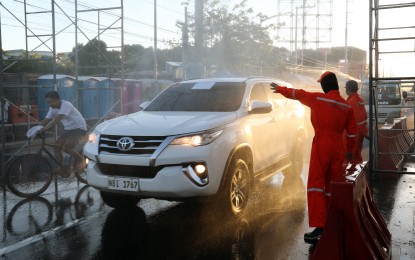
(236, 188)
(297, 156)
(119, 201)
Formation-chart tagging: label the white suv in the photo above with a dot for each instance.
(205, 138)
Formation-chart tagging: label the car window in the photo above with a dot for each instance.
(389, 91)
(200, 96)
(386, 92)
(258, 93)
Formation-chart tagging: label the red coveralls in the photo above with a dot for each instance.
(330, 116)
(360, 115)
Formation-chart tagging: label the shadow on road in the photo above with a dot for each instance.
(193, 231)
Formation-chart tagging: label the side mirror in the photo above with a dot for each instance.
(260, 107)
(404, 94)
(144, 104)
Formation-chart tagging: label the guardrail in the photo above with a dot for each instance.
(354, 227)
(394, 143)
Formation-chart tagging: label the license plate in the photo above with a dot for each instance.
(122, 183)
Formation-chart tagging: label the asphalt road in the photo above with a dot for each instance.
(75, 224)
(69, 221)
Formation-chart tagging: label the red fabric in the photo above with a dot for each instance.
(360, 114)
(330, 116)
(357, 152)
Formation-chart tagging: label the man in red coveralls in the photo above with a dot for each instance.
(360, 115)
(330, 116)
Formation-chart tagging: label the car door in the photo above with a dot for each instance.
(290, 116)
(262, 129)
(280, 122)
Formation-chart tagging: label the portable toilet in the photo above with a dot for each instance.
(88, 95)
(152, 87)
(131, 95)
(106, 96)
(65, 87)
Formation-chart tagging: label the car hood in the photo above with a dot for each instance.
(164, 123)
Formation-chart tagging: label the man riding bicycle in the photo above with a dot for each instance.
(74, 125)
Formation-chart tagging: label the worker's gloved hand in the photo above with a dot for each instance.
(274, 87)
(349, 156)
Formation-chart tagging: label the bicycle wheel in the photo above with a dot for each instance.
(81, 173)
(87, 202)
(29, 175)
(29, 217)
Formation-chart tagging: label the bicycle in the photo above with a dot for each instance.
(30, 174)
(29, 216)
(34, 215)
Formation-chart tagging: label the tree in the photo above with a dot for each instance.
(94, 59)
(138, 58)
(34, 64)
(236, 39)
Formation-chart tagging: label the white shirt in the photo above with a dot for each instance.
(72, 117)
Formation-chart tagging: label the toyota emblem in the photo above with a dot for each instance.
(125, 144)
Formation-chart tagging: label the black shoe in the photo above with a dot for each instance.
(314, 236)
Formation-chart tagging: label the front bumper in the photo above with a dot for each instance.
(173, 177)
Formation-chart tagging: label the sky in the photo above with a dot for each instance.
(139, 22)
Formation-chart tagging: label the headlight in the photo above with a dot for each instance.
(197, 139)
(93, 137)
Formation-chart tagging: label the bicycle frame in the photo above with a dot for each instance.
(52, 156)
(43, 149)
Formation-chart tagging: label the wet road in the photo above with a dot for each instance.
(75, 224)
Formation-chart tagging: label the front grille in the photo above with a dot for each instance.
(143, 145)
(129, 170)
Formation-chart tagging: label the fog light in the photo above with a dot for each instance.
(86, 160)
(200, 169)
(197, 172)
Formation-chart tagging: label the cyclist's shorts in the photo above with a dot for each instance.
(74, 133)
(72, 137)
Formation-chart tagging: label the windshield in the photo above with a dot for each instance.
(200, 96)
(409, 87)
(386, 92)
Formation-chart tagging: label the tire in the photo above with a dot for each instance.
(234, 193)
(29, 175)
(119, 201)
(297, 156)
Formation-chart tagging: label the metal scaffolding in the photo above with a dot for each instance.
(388, 38)
(34, 40)
(306, 22)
